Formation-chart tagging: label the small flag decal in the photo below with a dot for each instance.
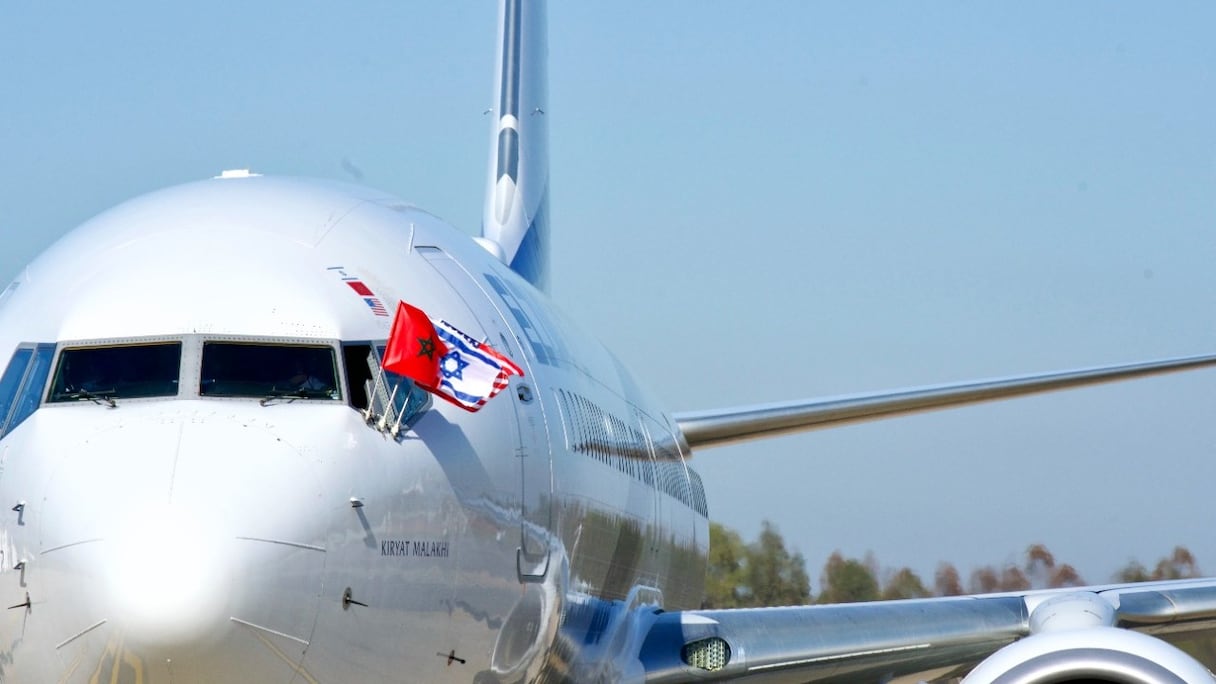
(359, 287)
(376, 307)
(365, 293)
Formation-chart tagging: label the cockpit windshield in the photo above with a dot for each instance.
(242, 369)
(132, 370)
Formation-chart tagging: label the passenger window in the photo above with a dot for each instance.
(10, 382)
(31, 390)
(239, 369)
(127, 371)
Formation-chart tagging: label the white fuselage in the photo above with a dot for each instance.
(200, 537)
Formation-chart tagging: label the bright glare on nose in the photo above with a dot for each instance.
(168, 578)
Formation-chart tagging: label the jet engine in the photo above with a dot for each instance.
(1073, 640)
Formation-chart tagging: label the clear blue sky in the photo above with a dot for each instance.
(799, 199)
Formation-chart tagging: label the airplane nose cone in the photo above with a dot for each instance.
(196, 550)
(169, 576)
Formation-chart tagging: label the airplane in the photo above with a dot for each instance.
(182, 511)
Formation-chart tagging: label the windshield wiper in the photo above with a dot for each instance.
(292, 394)
(99, 399)
(289, 395)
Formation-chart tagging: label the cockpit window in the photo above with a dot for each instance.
(10, 382)
(239, 369)
(133, 370)
(405, 396)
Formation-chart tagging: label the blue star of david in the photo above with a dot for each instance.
(451, 365)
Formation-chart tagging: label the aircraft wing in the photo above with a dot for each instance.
(724, 426)
(1091, 633)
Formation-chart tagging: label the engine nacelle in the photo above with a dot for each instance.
(1095, 654)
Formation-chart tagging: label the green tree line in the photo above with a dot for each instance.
(765, 573)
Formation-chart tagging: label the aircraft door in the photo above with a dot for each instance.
(533, 488)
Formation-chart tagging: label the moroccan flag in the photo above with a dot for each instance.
(444, 361)
(414, 349)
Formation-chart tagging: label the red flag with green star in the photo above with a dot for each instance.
(414, 350)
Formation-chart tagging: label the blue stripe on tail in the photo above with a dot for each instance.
(516, 212)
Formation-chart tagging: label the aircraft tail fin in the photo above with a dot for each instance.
(516, 213)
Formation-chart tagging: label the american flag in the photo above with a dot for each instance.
(375, 305)
(373, 302)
